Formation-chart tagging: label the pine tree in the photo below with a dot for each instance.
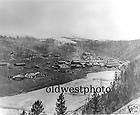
(60, 105)
(37, 108)
(94, 106)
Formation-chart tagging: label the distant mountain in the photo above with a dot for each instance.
(117, 49)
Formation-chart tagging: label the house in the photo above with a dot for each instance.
(102, 64)
(64, 62)
(61, 62)
(18, 77)
(19, 64)
(83, 64)
(76, 64)
(112, 64)
(109, 66)
(55, 66)
(63, 66)
(96, 63)
(36, 66)
(87, 56)
(31, 75)
(88, 64)
(4, 64)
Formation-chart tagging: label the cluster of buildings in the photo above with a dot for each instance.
(106, 63)
(20, 77)
(65, 65)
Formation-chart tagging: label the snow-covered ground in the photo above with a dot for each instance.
(11, 105)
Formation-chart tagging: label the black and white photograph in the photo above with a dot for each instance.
(69, 57)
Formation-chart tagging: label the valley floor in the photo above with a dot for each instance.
(12, 105)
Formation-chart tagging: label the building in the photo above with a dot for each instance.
(19, 64)
(18, 77)
(76, 64)
(31, 75)
(4, 64)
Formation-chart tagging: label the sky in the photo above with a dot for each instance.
(94, 19)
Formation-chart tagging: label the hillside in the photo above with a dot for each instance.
(117, 49)
(132, 74)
